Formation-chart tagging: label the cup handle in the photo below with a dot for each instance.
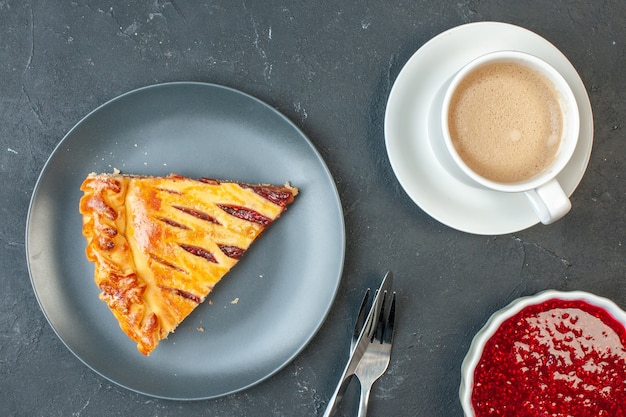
(549, 201)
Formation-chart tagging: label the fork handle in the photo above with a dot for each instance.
(364, 401)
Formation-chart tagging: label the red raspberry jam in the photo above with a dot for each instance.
(558, 358)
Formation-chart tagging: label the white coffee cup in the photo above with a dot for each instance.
(544, 193)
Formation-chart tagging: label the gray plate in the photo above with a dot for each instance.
(264, 312)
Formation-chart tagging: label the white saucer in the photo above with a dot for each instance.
(443, 197)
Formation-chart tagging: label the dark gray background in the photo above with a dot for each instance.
(329, 67)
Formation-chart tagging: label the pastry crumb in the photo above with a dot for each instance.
(200, 329)
(235, 301)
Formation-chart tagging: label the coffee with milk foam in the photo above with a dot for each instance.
(506, 122)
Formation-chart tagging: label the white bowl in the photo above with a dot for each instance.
(476, 348)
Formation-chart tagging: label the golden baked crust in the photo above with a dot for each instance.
(160, 244)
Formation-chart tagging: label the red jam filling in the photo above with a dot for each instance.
(558, 358)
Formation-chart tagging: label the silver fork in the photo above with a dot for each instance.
(376, 358)
(366, 328)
